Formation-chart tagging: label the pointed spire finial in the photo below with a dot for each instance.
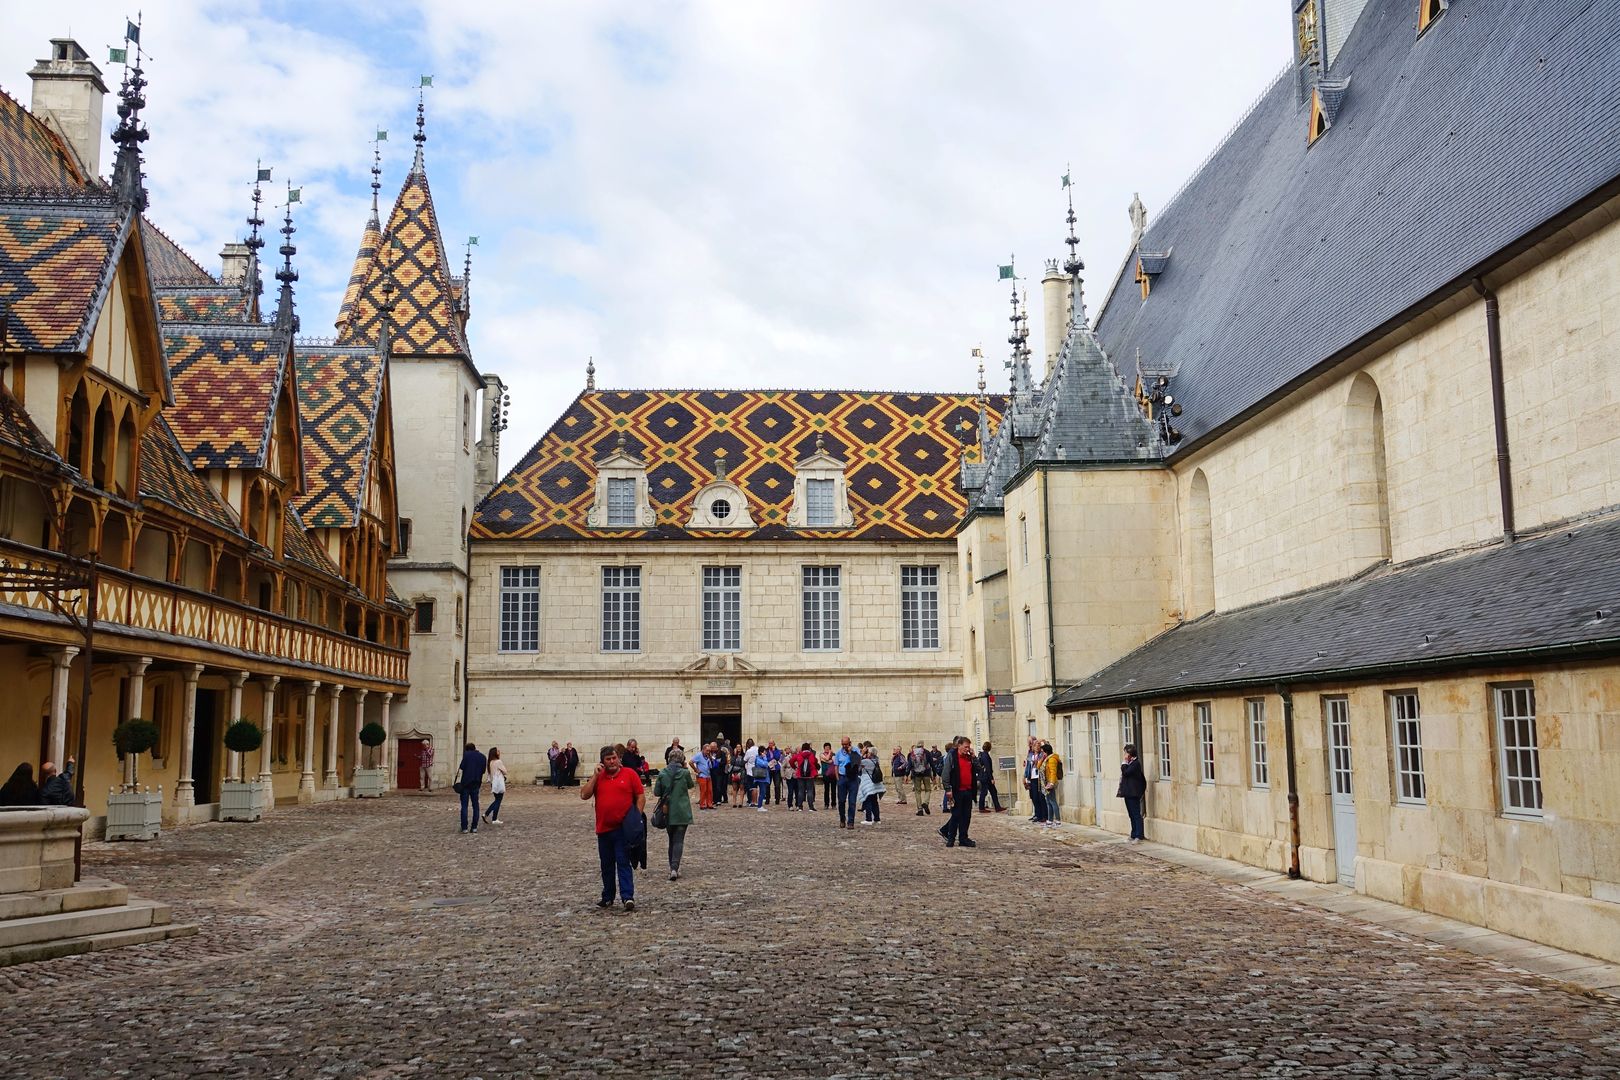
(1072, 266)
(254, 242)
(420, 138)
(286, 318)
(127, 180)
(590, 373)
(621, 444)
(376, 178)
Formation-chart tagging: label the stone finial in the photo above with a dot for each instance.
(821, 443)
(719, 464)
(619, 447)
(590, 373)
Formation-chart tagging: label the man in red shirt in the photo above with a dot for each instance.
(961, 789)
(617, 791)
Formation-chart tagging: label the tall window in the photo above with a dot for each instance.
(819, 504)
(621, 500)
(1406, 736)
(403, 538)
(621, 608)
(1206, 743)
(1068, 742)
(1161, 725)
(1095, 722)
(520, 609)
(919, 607)
(1029, 636)
(424, 616)
(821, 607)
(1519, 755)
(1126, 736)
(466, 420)
(1023, 537)
(970, 573)
(1259, 765)
(722, 608)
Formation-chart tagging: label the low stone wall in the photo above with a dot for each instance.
(36, 846)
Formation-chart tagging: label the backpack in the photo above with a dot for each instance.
(1059, 767)
(877, 772)
(852, 767)
(919, 762)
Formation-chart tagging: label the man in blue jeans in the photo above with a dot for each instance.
(848, 763)
(473, 765)
(617, 792)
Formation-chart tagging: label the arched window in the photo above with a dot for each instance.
(101, 460)
(1366, 480)
(255, 513)
(78, 433)
(1200, 548)
(124, 474)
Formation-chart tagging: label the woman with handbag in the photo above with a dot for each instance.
(673, 789)
(497, 787)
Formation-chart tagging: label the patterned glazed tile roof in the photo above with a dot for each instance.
(167, 262)
(56, 262)
(901, 454)
(220, 303)
(339, 394)
(167, 477)
(17, 427)
(370, 242)
(411, 258)
(226, 383)
(297, 546)
(31, 154)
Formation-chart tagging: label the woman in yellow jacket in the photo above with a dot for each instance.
(1051, 776)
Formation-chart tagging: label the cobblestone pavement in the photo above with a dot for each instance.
(788, 948)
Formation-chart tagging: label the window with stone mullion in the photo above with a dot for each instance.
(822, 629)
(621, 501)
(520, 609)
(919, 607)
(722, 608)
(621, 609)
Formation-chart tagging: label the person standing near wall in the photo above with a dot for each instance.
(899, 769)
(1051, 782)
(987, 781)
(961, 789)
(424, 767)
(829, 776)
(704, 768)
(922, 777)
(1032, 782)
(674, 785)
(719, 771)
(617, 792)
(1132, 786)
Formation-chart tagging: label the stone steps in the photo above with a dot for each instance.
(87, 894)
(72, 946)
(33, 929)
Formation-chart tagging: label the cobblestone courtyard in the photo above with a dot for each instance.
(333, 944)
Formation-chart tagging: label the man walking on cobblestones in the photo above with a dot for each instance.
(922, 778)
(471, 770)
(617, 791)
(961, 789)
(848, 764)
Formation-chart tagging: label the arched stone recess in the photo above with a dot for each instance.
(1366, 478)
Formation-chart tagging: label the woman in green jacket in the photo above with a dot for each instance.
(675, 785)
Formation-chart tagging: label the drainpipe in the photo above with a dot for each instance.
(1046, 557)
(1504, 463)
(466, 653)
(1293, 781)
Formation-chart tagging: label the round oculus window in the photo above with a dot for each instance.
(720, 509)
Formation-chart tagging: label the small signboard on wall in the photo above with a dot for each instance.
(1001, 700)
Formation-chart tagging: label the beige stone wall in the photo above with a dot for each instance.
(573, 691)
(1553, 878)
(987, 643)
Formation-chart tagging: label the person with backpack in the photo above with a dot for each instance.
(773, 758)
(961, 790)
(1051, 779)
(922, 777)
(871, 784)
(900, 770)
(804, 766)
(848, 763)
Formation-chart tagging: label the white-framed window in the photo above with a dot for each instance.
(1023, 537)
(520, 609)
(1095, 723)
(722, 608)
(822, 607)
(621, 500)
(1406, 737)
(1029, 636)
(1518, 755)
(621, 608)
(1125, 730)
(1068, 741)
(1161, 726)
(1341, 762)
(1259, 764)
(1206, 742)
(919, 607)
(821, 503)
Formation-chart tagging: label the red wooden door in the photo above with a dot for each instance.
(410, 765)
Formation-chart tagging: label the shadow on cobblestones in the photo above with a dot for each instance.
(372, 940)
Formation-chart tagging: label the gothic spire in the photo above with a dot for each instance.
(1072, 265)
(286, 319)
(127, 180)
(254, 242)
(376, 179)
(420, 138)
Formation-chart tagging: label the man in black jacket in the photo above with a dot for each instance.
(961, 788)
(987, 781)
(56, 788)
(1132, 786)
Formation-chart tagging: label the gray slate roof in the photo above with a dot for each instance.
(1540, 595)
(1089, 411)
(1444, 150)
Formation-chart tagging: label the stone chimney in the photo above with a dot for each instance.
(67, 96)
(1057, 298)
(486, 471)
(234, 260)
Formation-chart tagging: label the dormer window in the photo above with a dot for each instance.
(1428, 12)
(820, 493)
(621, 500)
(720, 504)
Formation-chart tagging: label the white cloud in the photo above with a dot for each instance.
(707, 193)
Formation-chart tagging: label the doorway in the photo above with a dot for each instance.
(1341, 788)
(204, 750)
(409, 772)
(720, 717)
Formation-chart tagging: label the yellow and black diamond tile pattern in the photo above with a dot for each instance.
(339, 393)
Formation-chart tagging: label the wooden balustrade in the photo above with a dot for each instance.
(207, 621)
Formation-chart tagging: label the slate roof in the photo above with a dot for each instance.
(1444, 150)
(167, 477)
(31, 154)
(56, 262)
(340, 393)
(412, 258)
(1089, 413)
(227, 380)
(901, 452)
(168, 263)
(1417, 617)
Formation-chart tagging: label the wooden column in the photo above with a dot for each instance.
(359, 722)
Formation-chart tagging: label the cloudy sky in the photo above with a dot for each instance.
(730, 193)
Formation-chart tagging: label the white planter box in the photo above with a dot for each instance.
(134, 815)
(241, 800)
(370, 783)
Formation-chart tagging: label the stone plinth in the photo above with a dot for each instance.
(36, 846)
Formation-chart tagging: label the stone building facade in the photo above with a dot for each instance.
(759, 564)
(1329, 531)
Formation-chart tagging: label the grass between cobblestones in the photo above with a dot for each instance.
(373, 940)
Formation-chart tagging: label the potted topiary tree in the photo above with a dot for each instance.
(134, 813)
(241, 800)
(371, 782)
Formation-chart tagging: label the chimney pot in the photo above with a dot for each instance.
(68, 93)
